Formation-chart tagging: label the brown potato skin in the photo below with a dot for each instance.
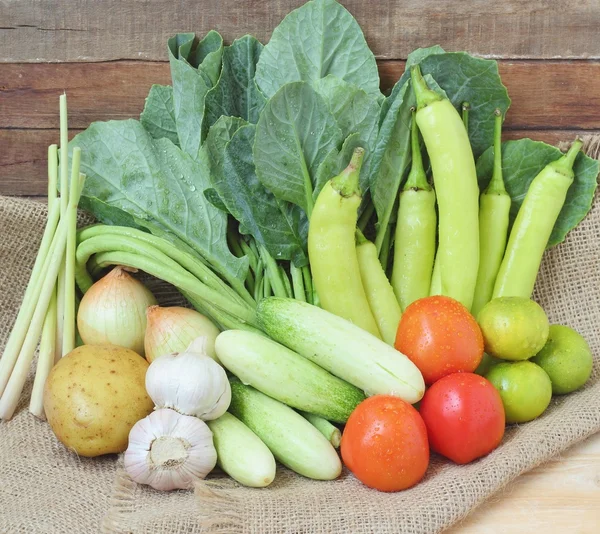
(94, 395)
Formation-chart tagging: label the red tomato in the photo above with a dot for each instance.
(464, 416)
(385, 444)
(440, 336)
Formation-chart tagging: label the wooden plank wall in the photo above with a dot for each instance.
(107, 54)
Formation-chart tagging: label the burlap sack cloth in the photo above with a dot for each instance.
(46, 489)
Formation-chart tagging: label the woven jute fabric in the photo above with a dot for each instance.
(46, 489)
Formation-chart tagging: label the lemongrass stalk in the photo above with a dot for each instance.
(330, 431)
(12, 392)
(46, 359)
(47, 353)
(64, 202)
(19, 330)
(68, 341)
(299, 291)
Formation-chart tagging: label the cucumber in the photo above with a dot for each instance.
(286, 376)
(331, 432)
(292, 439)
(241, 453)
(342, 348)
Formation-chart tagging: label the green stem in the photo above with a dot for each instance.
(252, 259)
(366, 215)
(298, 292)
(347, 182)
(566, 162)
(68, 341)
(496, 185)
(273, 274)
(465, 115)
(417, 179)
(286, 282)
(423, 94)
(233, 241)
(267, 286)
(384, 255)
(180, 279)
(191, 263)
(259, 282)
(308, 285)
(30, 298)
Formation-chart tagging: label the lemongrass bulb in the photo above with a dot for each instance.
(113, 311)
(172, 329)
(189, 382)
(170, 451)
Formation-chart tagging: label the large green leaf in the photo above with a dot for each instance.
(315, 40)
(158, 116)
(278, 225)
(193, 71)
(355, 112)
(158, 185)
(236, 93)
(522, 160)
(295, 132)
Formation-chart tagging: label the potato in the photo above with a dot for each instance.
(94, 395)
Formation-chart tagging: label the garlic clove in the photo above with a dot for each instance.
(169, 451)
(172, 329)
(190, 383)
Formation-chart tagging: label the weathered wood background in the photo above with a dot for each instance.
(106, 55)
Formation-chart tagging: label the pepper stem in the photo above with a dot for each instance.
(417, 179)
(567, 161)
(346, 183)
(496, 185)
(423, 94)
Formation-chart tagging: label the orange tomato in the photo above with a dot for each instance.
(385, 444)
(440, 336)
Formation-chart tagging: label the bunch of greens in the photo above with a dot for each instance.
(226, 163)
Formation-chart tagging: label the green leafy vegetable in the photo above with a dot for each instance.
(315, 40)
(522, 160)
(193, 71)
(279, 226)
(295, 132)
(236, 93)
(218, 136)
(159, 186)
(158, 116)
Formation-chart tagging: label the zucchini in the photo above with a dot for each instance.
(292, 439)
(341, 348)
(241, 453)
(286, 376)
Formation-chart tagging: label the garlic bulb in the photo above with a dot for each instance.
(189, 382)
(170, 451)
(113, 312)
(172, 329)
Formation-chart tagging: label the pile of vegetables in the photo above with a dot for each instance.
(341, 249)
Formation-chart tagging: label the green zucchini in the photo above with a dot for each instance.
(342, 348)
(241, 453)
(286, 376)
(292, 439)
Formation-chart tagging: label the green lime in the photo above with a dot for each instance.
(514, 328)
(524, 387)
(567, 359)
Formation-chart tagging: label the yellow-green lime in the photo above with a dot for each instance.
(514, 328)
(524, 387)
(567, 359)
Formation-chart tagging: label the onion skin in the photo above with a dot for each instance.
(172, 329)
(113, 312)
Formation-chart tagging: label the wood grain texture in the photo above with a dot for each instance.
(89, 30)
(23, 154)
(545, 94)
(562, 496)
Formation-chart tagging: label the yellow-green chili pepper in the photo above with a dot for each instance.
(455, 180)
(414, 248)
(494, 208)
(332, 248)
(533, 226)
